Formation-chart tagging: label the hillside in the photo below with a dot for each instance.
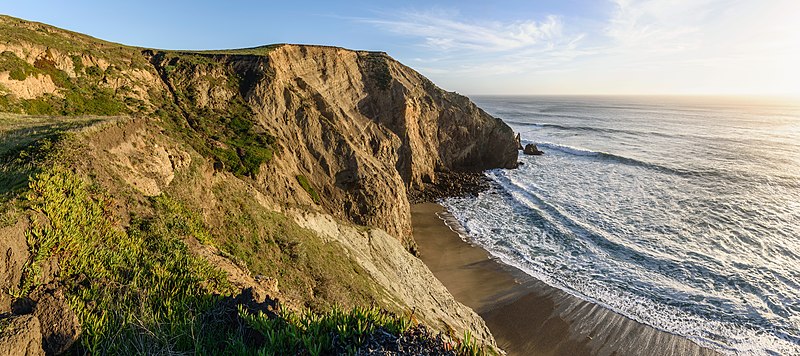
(146, 193)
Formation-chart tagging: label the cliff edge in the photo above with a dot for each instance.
(283, 171)
(361, 128)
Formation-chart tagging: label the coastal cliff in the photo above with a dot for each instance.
(361, 127)
(283, 171)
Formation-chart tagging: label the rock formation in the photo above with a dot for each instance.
(531, 149)
(321, 130)
(363, 128)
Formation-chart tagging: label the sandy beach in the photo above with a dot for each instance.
(526, 316)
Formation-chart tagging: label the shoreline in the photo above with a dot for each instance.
(527, 316)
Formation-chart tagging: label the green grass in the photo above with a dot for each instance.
(134, 285)
(140, 291)
(308, 269)
(48, 67)
(336, 332)
(81, 95)
(180, 220)
(25, 142)
(331, 332)
(18, 31)
(18, 69)
(308, 188)
(227, 134)
(134, 290)
(253, 51)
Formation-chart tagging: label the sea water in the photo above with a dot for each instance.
(680, 213)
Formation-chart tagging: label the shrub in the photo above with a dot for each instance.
(59, 77)
(18, 69)
(307, 187)
(379, 70)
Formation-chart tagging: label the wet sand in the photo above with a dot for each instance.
(526, 316)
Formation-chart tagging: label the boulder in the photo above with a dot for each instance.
(60, 327)
(13, 255)
(531, 149)
(20, 335)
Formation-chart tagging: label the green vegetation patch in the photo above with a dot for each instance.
(18, 68)
(140, 291)
(332, 332)
(308, 188)
(18, 31)
(379, 69)
(81, 95)
(361, 330)
(46, 66)
(227, 134)
(135, 290)
(253, 51)
(26, 141)
(308, 269)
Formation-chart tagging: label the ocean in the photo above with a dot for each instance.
(680, 213)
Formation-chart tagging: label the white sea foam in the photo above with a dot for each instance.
(566, 149)
(686, 237)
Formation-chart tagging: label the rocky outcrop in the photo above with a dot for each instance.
(348, 135)
(532, 150)
(450, 184)
(13, 256)
(406, 277)
(60, 327)
(363, 128)
(360, 127)
(20, 336)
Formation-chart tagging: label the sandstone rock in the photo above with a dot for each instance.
(13, 255)
(144, 160)
(20, 336)
(531, 149)
(363, 128)
(407, 278)
(60, 327)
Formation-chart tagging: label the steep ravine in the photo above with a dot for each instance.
(271, 152)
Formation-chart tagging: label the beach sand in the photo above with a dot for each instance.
(526, 316)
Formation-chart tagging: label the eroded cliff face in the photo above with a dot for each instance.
(363, 128)
(323, 135)
(360, 127)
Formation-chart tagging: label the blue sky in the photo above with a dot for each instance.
(488, 47)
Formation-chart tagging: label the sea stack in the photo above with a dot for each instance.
(532, 150)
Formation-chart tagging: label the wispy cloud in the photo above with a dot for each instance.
(442, 31)
(659, 26)
(459, 46)
(638, 46)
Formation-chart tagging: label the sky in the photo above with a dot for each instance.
(547, 47)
